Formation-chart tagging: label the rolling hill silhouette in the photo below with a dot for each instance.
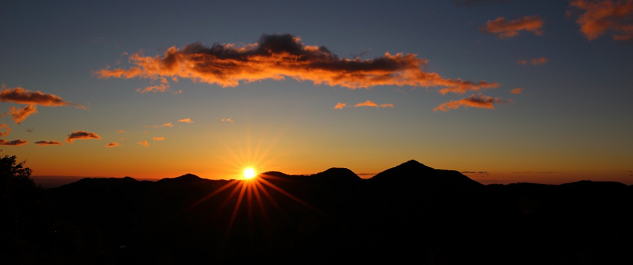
(408, 213)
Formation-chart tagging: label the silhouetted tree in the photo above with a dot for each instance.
(32, 232)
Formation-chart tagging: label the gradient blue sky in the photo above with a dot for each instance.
(571, 121)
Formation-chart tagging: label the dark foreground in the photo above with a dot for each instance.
(407, 214)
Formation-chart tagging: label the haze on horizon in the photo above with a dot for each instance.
(502, 91)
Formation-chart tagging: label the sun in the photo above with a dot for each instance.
(249, 173)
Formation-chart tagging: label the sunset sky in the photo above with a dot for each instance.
(503, 91)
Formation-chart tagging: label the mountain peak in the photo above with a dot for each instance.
(184, 178)
(337, 174)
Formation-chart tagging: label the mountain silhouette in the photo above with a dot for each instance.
(410, 212)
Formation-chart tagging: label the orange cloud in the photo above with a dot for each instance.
(25, 96)
(120, 131)
(478, 101)
(167, 125)
(340, 105)
(187, 120)
(113, 144)
(20, 114)
(159, 138)
(143, 143)
(31, 99)
(6, 128)
(81, 135)
(602, 16)
(48, 143)
(283, 55)
(517, 90)
(227, 120)
(508, 29)
(369, 103)
(533, 61)
(14, 142)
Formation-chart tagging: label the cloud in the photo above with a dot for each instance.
(159, 138)
(517, 90)
(602, 16)
(227, 120)
(167, 125)
(120, 131)
(478, 101)
(533, 61)
(81, 135)
(20, 114)
(6, 128)
(48, 143)
(14, 142)
(143, 143)
(369, 103)
(30, 99)
(340, 105)
(508, 29)
(187, 120)
(280, 56)
(113, 144)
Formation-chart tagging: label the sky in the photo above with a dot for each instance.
(502, 91)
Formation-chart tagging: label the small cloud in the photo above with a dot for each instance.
(340, 105)
(42, 143)
(474, 101)
(508, 29)
(14, 142)
(81, 135)
(369, 103)
(517, 91)
(30, 99)
(598, 17)
(533, 61)
(20, 114)
(227, 120)
(159, 138)
(167, 125)
(113, 144)
(187, 120)
(120, 131)
(143, 143)
(6, 128)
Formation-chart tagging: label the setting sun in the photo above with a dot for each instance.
(249, 173)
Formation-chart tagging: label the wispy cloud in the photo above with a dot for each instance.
(187, 120)
(48, 143)
(340, 105)
(506, 29)
(120, 131)
(6, 128)
(227, 120)
(517, 90)
(159, 138)
(283, 55)
(369, 103)
(475, 172)
(81, 135)
(14, 142)
(478, 101)
(169, 124)
(30, 99)
(20, 114)
(533, 61)
(602, 16)
(113, 144)
(143, 143)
